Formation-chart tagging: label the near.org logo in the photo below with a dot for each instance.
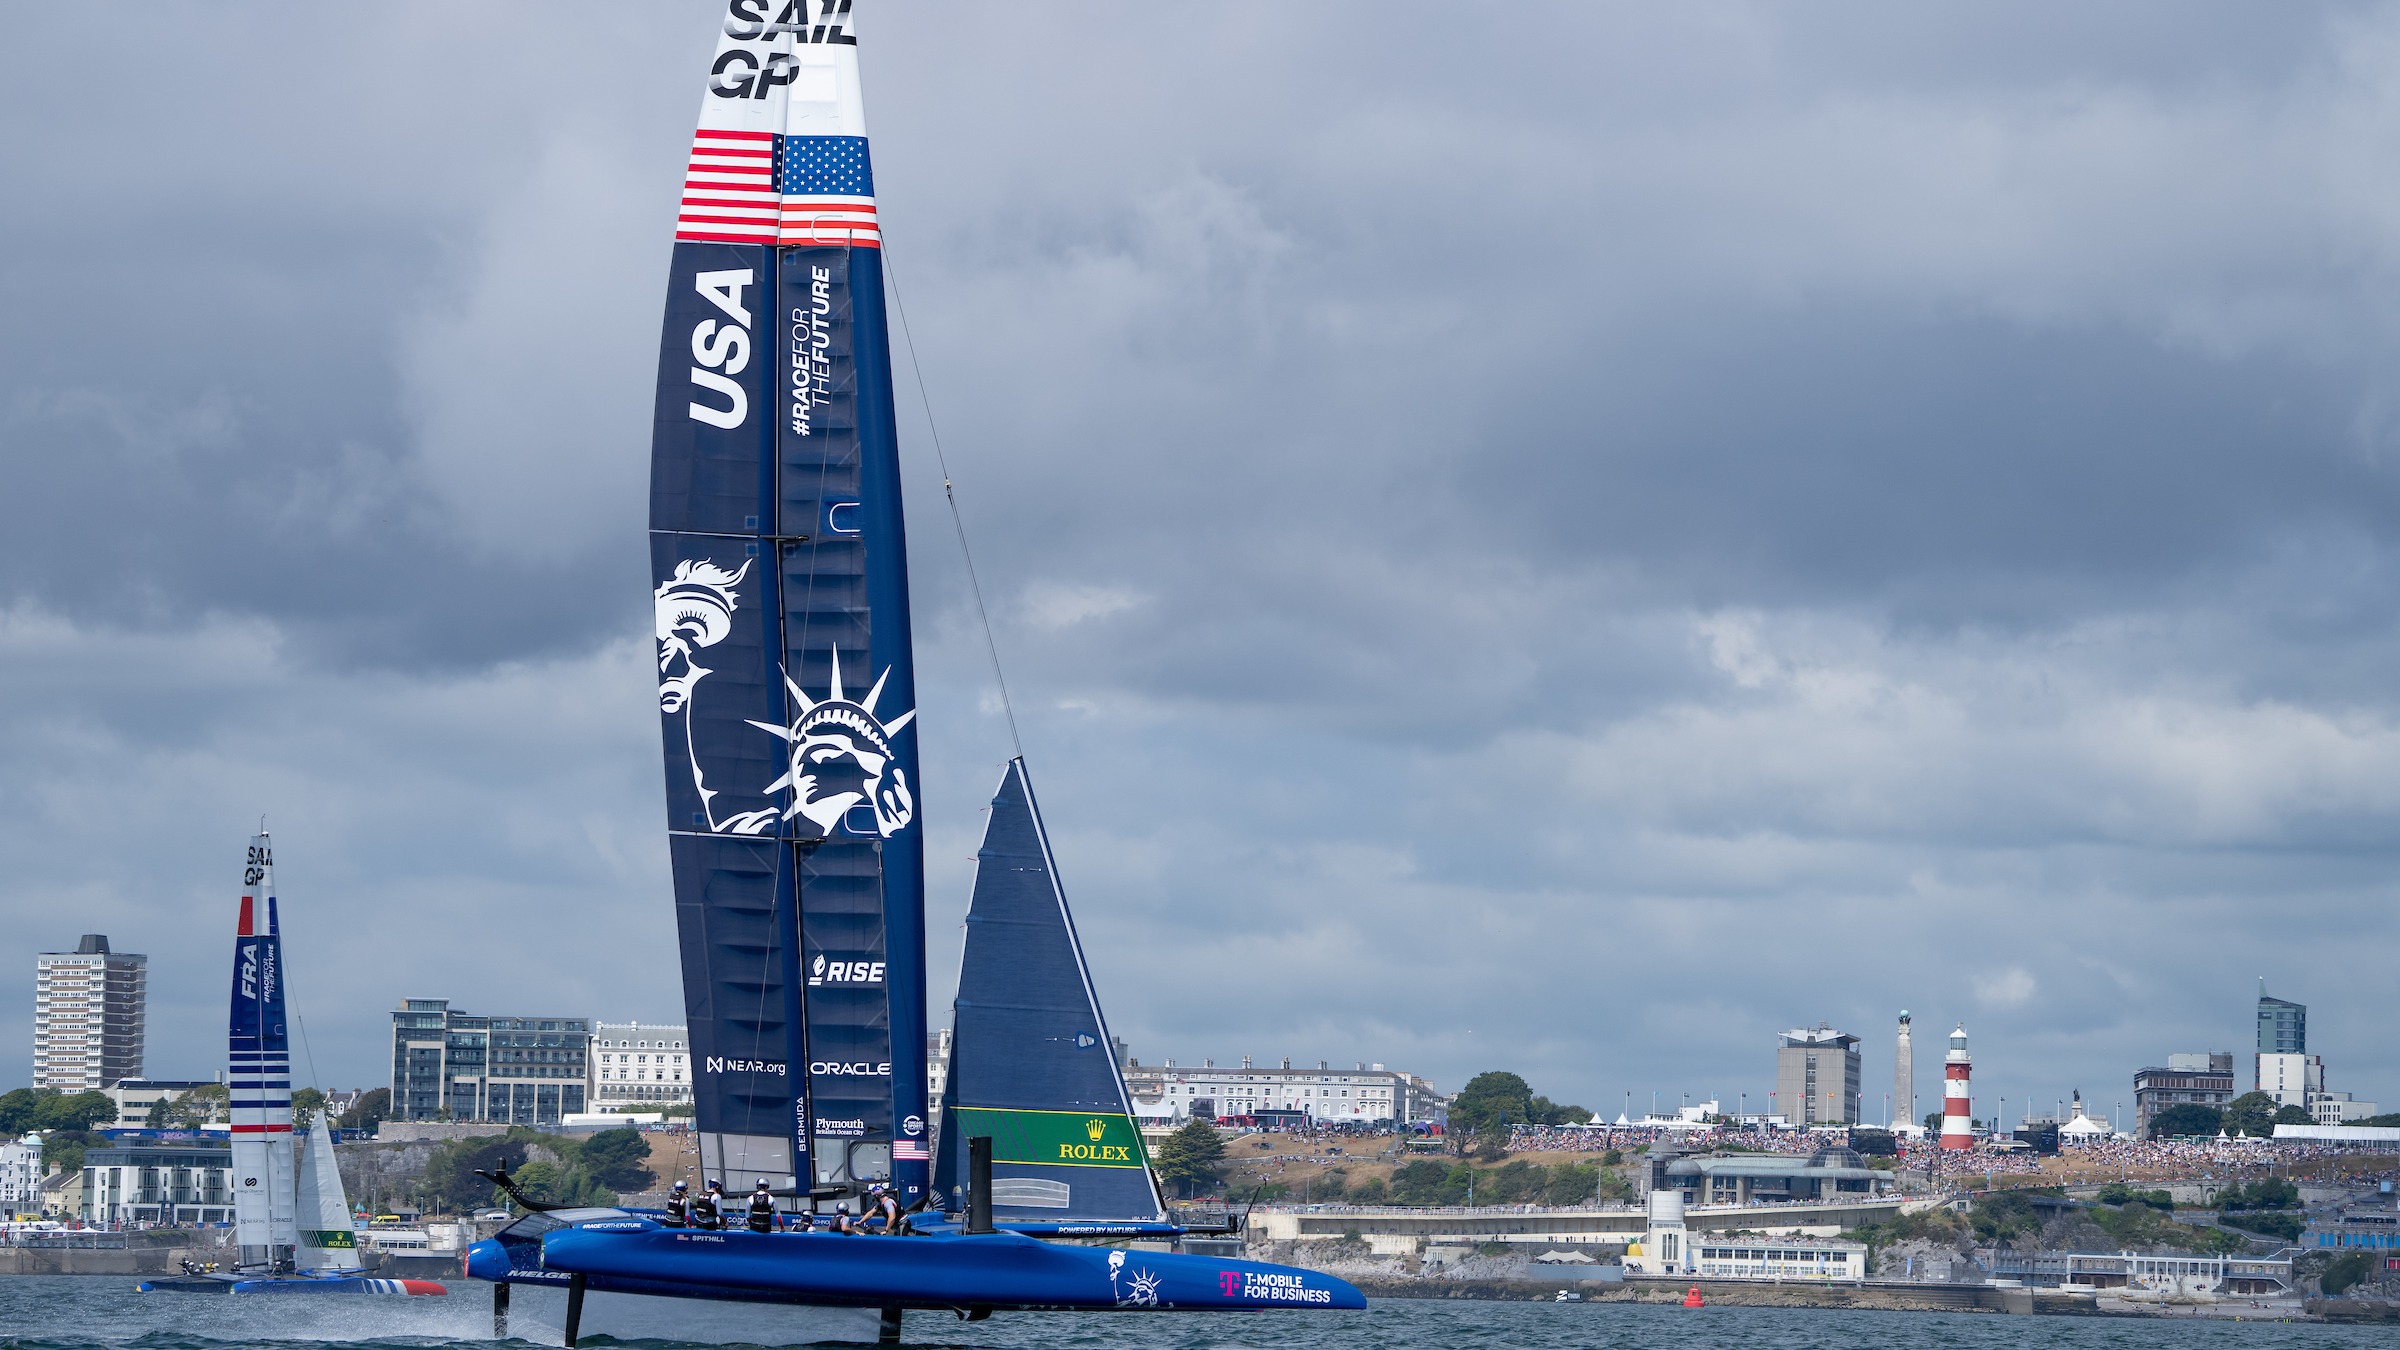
(853, 973)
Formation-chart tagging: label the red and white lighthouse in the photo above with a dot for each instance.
(1957, 1114)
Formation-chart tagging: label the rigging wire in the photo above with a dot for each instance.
(957, 521)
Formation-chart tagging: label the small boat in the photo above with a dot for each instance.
(273, 1198)
(1568, 1296)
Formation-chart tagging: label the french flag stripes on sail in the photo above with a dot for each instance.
(755, 187)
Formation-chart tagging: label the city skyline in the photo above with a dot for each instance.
(1887, 483)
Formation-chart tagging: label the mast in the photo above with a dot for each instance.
(259, 1074)
(786, 678)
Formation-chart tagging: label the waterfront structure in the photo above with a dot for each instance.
(1830, 1175)
(1817, 1076)
(21, 1175)
(450, 1065)
(1668, 1246)
(135, 1096)
(634, 1067)
(2167, 1273)
(1360, 1095)
(154, 1184)
(1958, 1124)
(2282, 1030)
(1904, 1079)
(2200, 1080)
(89, 1006)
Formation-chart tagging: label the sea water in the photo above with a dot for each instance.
(105, 1313)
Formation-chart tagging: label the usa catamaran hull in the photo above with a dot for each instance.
(997, 1271)
(538, 1312)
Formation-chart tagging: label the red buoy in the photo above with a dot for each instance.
(1692, 1298)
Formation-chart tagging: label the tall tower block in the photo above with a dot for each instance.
(1904, 1078)
(1957, 1129)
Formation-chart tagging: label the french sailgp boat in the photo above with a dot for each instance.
(291, 1223)
(787, 701)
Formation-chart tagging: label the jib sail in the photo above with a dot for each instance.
(786, 682)
(1032, 1065)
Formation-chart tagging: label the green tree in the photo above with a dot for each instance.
(1190, 1157)
(1547, 1112)
(2285, 1226)
(369, 1110)
(62, 1150)
(306, 1103)
(193, 1109)
(1933, 1122)
(1368, 1192)
(616, 1158)
(1489, 1103)
(2185, 1118)
(2290, 1115)
(2252, 1113)
(561, 1183)
(83, 1111)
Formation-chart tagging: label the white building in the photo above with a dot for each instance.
(2291, 1079)
(21, 1176)
(88, 1011)
(153, 1184)
(1668, 1248)
(2339, 1108)
(1363, 1095)
(637, 1066)
(135, 1096)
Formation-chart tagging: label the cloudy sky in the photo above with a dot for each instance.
(1573, 540)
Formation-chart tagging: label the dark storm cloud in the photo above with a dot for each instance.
(1578, 537)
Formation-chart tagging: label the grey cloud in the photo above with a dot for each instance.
(1576, 540)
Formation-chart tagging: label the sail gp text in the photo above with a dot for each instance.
(1278, 1288)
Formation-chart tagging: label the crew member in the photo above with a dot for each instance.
(762, 1208)
(679, 1206)
(709, 1210)
(841, 1220)
(884, 1208)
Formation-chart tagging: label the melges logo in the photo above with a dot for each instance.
(854, 974)
(722, 350)
(739, 73)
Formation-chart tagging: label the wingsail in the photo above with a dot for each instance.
(259, 1073)
(786, 680)
(1032, 1065)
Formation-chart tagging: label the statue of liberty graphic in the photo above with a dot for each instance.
(695, 610)
(840, 753)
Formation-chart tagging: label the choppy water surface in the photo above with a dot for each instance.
(94, 1313)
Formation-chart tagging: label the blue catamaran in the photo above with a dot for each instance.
(787, 701)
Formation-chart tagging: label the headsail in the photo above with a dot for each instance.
(786, 680)
(328, 1238)
(259, 1072)
(1031, 1062)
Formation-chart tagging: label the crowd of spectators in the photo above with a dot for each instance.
(2227, 1157)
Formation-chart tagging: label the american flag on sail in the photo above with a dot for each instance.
(909, 1150)
(755, 187)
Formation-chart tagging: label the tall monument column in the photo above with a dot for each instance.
(1904, 1078)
